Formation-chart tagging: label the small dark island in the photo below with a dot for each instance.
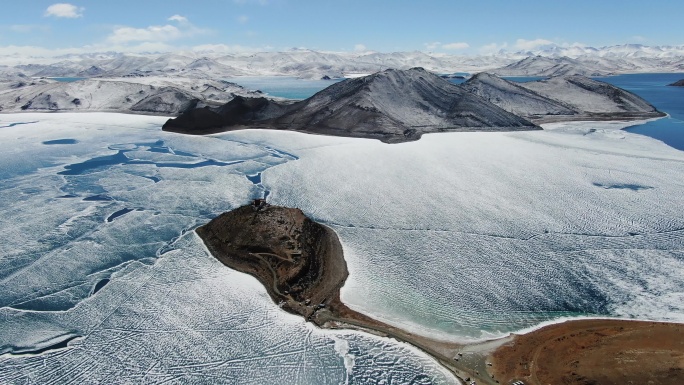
(299, 261)
(678, 83)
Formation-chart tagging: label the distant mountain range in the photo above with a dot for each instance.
(302, 63)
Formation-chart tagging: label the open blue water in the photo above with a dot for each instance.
(655, 89)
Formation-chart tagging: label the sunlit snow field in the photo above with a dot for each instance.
(464, 236)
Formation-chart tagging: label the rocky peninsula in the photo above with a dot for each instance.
(678, 83)
(301, 265)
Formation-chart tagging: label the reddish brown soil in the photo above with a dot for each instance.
(600, 352)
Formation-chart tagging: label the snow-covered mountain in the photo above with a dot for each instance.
(551, 66)
(627, 58)
(165, 96)
(304, 63)
(562, 98)
(622, 51)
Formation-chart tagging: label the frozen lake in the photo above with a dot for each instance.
(101, 276)
(464, 236)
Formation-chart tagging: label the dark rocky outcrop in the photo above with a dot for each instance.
(401, 105)
(678, 83)
(393, 106)
(239, 112)
(299, 262)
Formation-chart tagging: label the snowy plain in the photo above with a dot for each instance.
(463, 236)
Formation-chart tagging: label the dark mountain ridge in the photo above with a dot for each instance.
(561, 98)
(392, 106)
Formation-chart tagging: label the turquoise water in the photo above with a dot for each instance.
(67, 80)
(284, 87)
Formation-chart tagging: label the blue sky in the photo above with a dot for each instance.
(47, 27)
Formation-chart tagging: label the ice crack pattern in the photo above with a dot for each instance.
(102, 274)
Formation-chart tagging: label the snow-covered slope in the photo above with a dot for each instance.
(561, 98)
(513, 97)
(591, 97)
(545, 66)
(167, 96)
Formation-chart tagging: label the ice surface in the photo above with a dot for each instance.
(468, 236)
(101, 276)
(461, 235)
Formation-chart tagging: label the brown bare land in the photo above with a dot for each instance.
(600, 352)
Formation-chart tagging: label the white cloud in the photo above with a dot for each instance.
(360, 47)
(178, 18)
(527, 45)
(492, 48)
(155, 33)
(64, 10)
(243, 19)
(432, 46)
(436, 45)
(457, 45)
(639, 38)
(123, 35)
